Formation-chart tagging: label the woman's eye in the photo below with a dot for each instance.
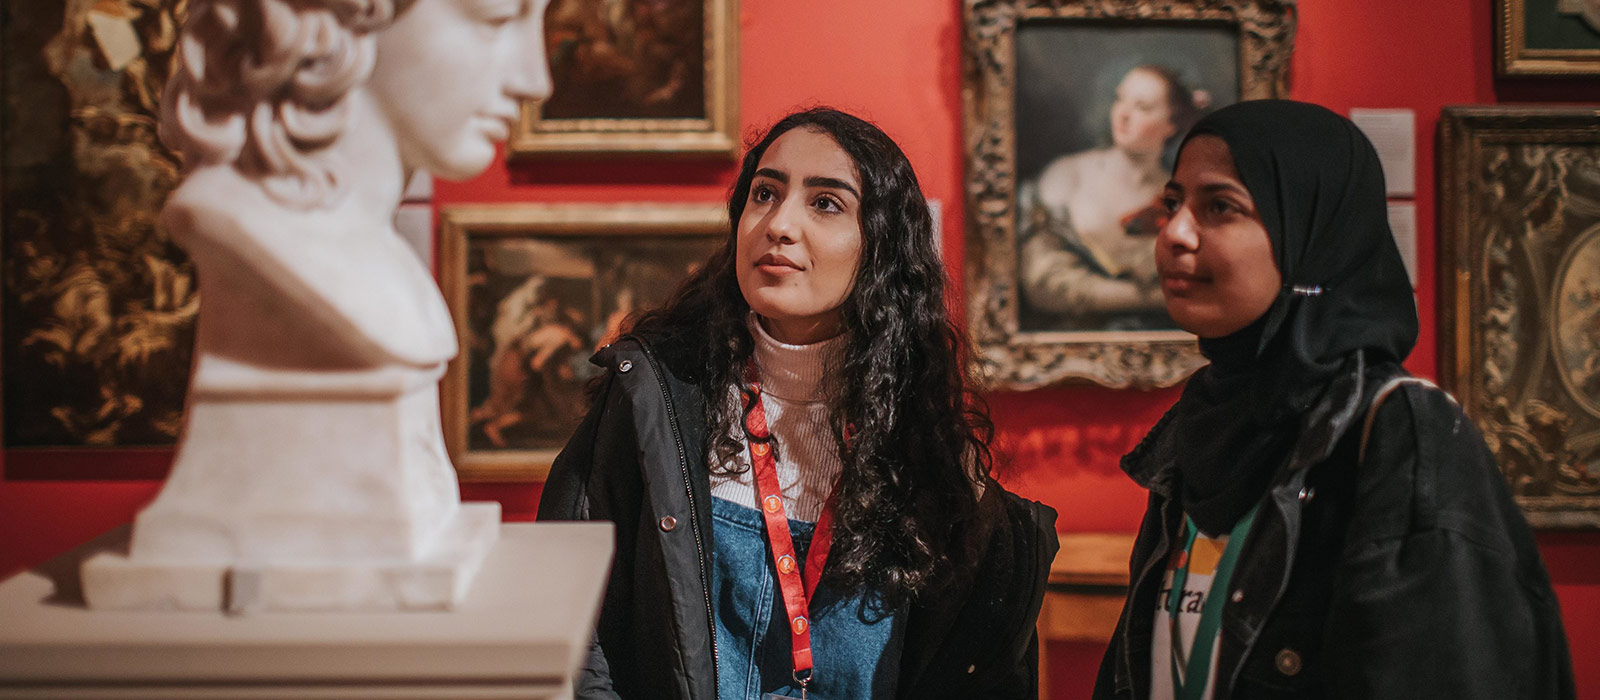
(828, 204)
(1170, 204)
(1221, 206)
(762, 193)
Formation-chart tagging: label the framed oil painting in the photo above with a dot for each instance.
(1547, 37)
(99, 305)
(1073, 115)
(535, 289)
(1519, 297)
(637, 77)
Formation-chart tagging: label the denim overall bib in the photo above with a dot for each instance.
(855, 642)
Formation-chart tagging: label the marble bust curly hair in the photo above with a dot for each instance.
(262, 83)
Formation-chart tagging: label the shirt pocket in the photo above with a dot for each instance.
(1286, 661)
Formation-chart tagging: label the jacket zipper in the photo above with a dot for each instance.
(688, 487)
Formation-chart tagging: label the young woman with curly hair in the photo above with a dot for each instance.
(796, 467)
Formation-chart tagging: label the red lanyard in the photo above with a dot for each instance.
(797, 592)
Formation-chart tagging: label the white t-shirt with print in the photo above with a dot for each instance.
(1206, 553)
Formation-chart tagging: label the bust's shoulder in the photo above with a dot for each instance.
(215, 201)
(341, 270)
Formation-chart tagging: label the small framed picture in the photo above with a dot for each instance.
(1548, 38)
(535, 289)
(637, 77)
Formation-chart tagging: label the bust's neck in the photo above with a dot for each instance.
(369, 160)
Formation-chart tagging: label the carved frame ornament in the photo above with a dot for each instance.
(1021, 360)
(1519, 297)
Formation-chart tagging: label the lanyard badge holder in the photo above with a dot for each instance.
(797, 589)
(1190, 677)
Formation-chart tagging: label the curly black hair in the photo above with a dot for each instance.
(918, 450)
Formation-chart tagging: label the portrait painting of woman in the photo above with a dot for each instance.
(1094, 147)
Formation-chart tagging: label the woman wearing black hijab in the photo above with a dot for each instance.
(1320, 524)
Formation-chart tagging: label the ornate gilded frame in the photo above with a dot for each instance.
(460, 225)
(1516, 59)
(716, 135)
(1519, 199)
(1020, 360)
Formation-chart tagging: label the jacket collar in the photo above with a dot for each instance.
(1327, 421)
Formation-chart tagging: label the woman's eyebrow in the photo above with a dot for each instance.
(833, 182)
(1215, 187)
(778, 175)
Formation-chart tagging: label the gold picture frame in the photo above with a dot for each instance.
(1519, 297)
(1243, 45)
(616, 93)
(534, 289)
(1546, 38)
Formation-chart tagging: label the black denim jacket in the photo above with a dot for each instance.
(1408, 574)
(636, 460)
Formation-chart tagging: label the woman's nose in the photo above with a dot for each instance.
(1181, 232)
(783, 226)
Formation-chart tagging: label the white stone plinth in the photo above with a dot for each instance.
(299, 489)
(520, 632)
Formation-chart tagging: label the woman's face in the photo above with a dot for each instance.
(1217, 269)
(1141, 116)
(450, 75)
(799, 238)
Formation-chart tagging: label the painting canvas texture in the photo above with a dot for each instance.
(635, 59)
(538, 307)
(99, 305)
(1561, 24)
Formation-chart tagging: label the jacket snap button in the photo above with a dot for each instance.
(1307, 493)
(625, 366)
(1288, 662)
(1237, 596)
(669, 523)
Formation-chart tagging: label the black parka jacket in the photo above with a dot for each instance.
(1409, 574)
(638, 460)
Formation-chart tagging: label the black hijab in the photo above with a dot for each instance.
(1345, 301)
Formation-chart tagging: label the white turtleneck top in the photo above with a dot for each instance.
(796, 381)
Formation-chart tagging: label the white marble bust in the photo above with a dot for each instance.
(311, 472)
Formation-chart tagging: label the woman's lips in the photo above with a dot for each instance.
(1179, 284)
(777, 265)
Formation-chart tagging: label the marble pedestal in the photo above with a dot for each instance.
(520, 632)
(302, 490)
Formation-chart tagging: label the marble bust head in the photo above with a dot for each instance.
(271, 87)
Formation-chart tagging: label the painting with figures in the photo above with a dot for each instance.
(535, 290)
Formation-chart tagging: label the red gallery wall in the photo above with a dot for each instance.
(898, 62)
